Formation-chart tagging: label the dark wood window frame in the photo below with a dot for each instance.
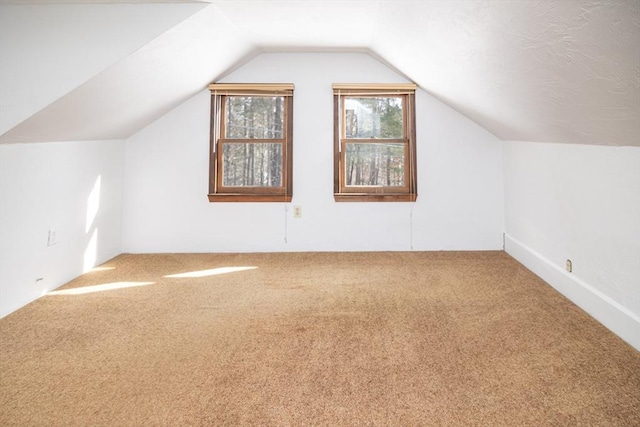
(217, 191)
(345, 193)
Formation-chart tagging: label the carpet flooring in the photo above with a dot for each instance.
(331, 339)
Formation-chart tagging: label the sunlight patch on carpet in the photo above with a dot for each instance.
(95, 269)
(99, 288)
(212, 272)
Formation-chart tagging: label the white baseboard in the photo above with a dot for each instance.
(611, 314)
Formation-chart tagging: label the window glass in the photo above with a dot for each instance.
(379, 117)
(252, 165)
(374, 165)
(251, 117)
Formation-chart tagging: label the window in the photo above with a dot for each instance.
(374, 143)
(251, 142)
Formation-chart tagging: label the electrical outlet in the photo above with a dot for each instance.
(297, 211)
(569, 266)
(52, 239)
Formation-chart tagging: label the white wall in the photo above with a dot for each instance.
(579, 202)
(460, 199)
(48, 50)
(73, 188)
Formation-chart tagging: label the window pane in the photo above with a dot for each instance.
(373, 117)
(374, 165)
(258, 117)
(252, 165)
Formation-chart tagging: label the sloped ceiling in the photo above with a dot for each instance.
(545, 71)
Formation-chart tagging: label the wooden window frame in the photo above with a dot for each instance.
(217, 191)
(344, 193)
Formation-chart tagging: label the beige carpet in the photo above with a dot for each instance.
(339, 339)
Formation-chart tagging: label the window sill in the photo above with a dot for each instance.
(365, 197)
(243, 197)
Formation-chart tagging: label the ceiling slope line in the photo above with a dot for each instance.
(142, 87)
(73, 44)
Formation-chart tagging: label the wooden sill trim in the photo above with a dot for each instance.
(359, 197)
(242, 197)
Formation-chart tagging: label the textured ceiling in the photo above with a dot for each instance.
(547, 71)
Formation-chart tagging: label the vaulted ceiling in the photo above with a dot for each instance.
(547, 71)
